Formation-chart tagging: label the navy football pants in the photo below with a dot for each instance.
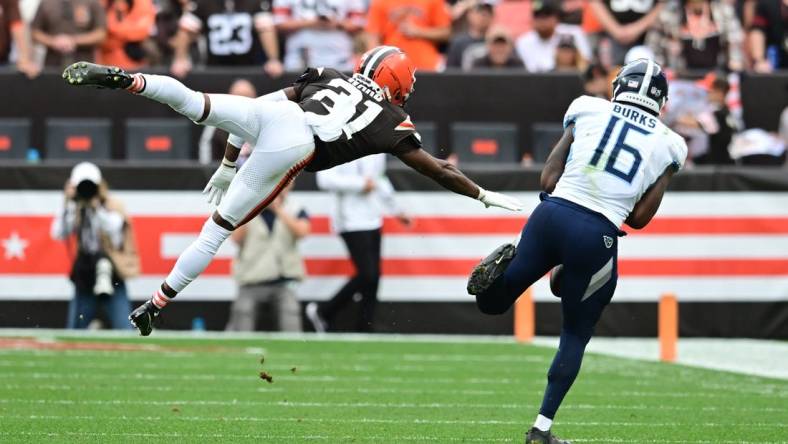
(586, 243)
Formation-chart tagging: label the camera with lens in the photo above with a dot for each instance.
(85, 178)
(86, 190)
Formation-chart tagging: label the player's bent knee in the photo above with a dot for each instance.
(222, 222)
(488, 306)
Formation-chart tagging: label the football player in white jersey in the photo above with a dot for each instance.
(325, 119)
(611, 167)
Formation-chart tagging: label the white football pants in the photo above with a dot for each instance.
(283, 144)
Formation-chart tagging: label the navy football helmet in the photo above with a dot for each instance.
(641, 83)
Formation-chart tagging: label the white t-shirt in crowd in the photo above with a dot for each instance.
(331, 48)
(539, 55)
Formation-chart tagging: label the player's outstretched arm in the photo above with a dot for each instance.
(556, 161)
(451, 178)
(649, 203)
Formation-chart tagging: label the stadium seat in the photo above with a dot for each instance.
(485, 142)
(429, 136)
(14, 138)
(543, 138)
(149, 139)
(87, 139)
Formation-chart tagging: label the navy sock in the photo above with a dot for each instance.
(563, 371)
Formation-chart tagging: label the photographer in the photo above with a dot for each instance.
(94, 222)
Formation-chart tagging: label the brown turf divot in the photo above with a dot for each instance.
(266, 377)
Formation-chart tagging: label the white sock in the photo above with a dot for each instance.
(543, 423)
(169, 91)
(197, 256)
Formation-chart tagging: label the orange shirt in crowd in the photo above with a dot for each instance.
(126, 29)
(514, 15)
(386, 16)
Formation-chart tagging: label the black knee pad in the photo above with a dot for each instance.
(488, 306)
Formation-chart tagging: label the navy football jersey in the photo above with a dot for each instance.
(364, 121)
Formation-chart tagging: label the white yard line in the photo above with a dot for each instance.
(362, 420)
(384, 405)
(306, 336)
(311, 389)
(351, 438)
(746, 356)
(277, 438)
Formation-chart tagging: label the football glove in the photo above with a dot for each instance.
(493, 199)
(220, 181)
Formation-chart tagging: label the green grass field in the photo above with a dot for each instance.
(383, 391)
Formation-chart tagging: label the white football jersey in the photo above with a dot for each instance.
(618, 152)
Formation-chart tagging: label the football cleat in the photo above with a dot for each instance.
(102, 76)
(313, 314)
(143, 317)
(490, 268)
(536, 436)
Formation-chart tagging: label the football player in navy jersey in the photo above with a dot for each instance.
(611, 167)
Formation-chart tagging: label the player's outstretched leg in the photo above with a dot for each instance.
(262, 177)
(235, 114)
(507, 272)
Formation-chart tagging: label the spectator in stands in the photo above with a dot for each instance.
(567, 56)
(94, 219)
(129, 25)
(469, 45)
(12, 34)
(168, 13)
(500, 51)
(415, 26)
(268, 265)
(769, 36)
(698, 35)
(362, 193)
(319, 33)
(214, 140)
(596, 81)
(70, 29)
(716, 123)
(624, 25)
(537, 48)
(237, 33)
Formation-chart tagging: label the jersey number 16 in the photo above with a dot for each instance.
(620, 145)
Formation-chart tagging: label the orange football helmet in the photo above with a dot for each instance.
(391, 69)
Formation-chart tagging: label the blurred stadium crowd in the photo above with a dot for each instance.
(288, 35)
(712, 40)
